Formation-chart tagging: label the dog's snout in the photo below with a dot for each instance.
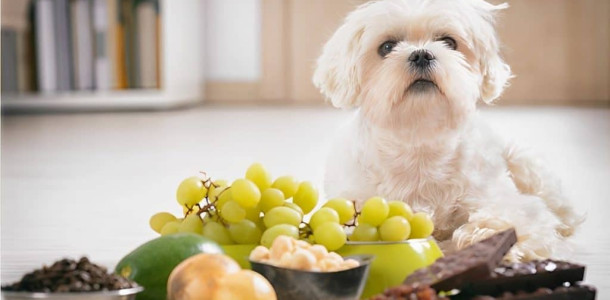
(421, 58)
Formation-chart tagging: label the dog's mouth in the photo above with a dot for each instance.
(422, 84)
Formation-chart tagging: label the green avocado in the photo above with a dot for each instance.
(150, 264)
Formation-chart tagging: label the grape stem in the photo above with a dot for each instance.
(204, 209)
(209, 208)
(207, 183)
(356, 214)
(305, 230)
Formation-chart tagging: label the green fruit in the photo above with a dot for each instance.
(150, 264)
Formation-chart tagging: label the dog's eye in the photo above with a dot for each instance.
(449, 41)
(386, 48)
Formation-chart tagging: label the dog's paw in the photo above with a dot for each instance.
(473, 232)
(530, 246)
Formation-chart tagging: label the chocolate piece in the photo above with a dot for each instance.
(410, 292)
(577, 292)
(69, 275)
(527, 277)
(465, 266)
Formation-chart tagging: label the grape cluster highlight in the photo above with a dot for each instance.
(257, 209)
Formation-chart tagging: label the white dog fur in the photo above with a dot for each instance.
(426, 146)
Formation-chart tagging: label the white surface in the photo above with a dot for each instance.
(232, 42)
(86, 184)
(98, 100)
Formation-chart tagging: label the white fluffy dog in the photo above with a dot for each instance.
(415, 70)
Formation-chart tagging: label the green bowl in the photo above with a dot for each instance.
(393, 261)
(240, 253)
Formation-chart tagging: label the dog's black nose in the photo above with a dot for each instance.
(421, 58)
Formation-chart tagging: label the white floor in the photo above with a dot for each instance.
(86, 184)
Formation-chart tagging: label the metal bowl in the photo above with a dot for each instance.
(291, 284)
(124, 294)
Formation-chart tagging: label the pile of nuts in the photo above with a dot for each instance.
(290, 253)
(69, 275)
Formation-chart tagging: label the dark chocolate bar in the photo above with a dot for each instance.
(474, 273)
(410, 292)
(463, 267)
(527, 277)
(577, 292)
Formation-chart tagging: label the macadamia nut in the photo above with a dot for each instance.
(288, 252)
(260, 253)
(303, 260)
(282, 244)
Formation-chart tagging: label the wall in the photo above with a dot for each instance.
(232, 40)
(558, 49)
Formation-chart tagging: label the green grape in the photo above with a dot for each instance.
(282, 229)
(365, 233)
(217, 233)
(208, 217)
(170, 227)
(245, 193)
(232, 212)
(394, 229)
(259, 175)
(330, 235)
(323, 215)
(421, 226)
(158, 220)
(293, 207)
(399, 208)
(306, 196)
(192, 223)
(374, 211)
(253, 214)
(287, 184)
(190, 191)
(260, 224)
(245, 232)
(343, 207)
(271, 198)
(282, 215)
(215, 187)
(224, 196)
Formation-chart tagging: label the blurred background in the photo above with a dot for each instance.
(71, 54)
(108, 104)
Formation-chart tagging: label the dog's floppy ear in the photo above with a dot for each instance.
(496, 74)
(336, 73)
(495, 71)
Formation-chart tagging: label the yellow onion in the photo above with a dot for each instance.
(216, 277)
(245, 284)
(198, 276)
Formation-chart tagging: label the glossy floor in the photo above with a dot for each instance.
(86, 184)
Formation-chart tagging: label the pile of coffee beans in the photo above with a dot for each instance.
(69, 275)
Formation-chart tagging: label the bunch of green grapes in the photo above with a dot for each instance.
(251, 210)
(380, 220)
(256, 209)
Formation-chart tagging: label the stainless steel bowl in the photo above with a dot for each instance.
(124, 294)
(290, 284)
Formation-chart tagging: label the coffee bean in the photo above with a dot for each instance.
(68, 275)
